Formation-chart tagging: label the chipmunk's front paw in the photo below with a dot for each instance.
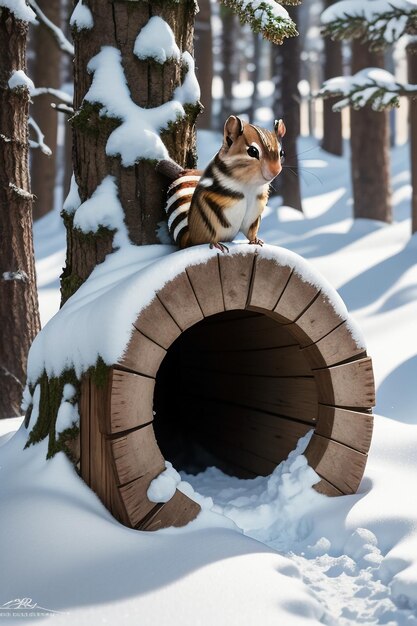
(220, 246)
(257, 242)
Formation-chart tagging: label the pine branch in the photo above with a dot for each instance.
(371, 86)
(63, 43)
(379, 23)
(266, 17)
(39, 143)
(56, 93)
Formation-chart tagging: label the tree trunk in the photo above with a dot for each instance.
(256, 74)
(228, 59)
(369, 140)
(142, 191)
(46, 66)
(332, 122)
(19, 312)
(67, 71)
(412, 78)
(204, 60)
(289, 65)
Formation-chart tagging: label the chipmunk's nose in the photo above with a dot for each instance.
(271, 170)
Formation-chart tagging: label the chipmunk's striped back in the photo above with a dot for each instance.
(179, 197)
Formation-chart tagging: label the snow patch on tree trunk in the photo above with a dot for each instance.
(20, 10)
(137, 137)
(81, 17)
(156, 41)
(19, 79)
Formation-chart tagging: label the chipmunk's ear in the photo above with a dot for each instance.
(232, 129)
(279, 128)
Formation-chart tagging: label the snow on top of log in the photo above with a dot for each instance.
(137, 137)
(81, 17)
(97, 320)
(20, 79)
(103, 208)
(20, 10)
(156, 41)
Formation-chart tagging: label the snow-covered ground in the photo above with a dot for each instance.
(348, 560)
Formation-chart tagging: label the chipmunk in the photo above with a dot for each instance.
(231, 194)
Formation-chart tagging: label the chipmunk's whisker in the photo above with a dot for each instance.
(298, 167)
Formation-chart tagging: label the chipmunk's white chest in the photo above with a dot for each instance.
(242, 214)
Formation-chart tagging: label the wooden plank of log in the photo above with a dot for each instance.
(336, 347)
(156, 323)
(273, 444)
(289, 397)
(268, 283)
(340, 465)
(347, 385)
(296, 297)
(319, 319)
(176, 512)
(240, 459)
(285, 361)
(142, 355)
(130, 404)
(352, 428)
(236, 274)
(252, 333)
(135, 498)
(327, 488)
(136, 454)
(207, 286)
(178, 298)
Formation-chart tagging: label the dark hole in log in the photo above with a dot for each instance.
(233, 391)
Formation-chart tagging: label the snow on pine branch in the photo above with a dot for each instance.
(39, 143)
(20, 10)
(371, 86)
(63, 43)
(381, 22)
(266, 17)
(137, 137)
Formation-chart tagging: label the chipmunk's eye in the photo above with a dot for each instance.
(253, 152)
(282, 155)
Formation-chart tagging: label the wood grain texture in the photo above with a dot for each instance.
(334, 348)
(296, 297)
(207, 286)
(348, 385)
(156, 323)
(136, 454)
(176, 512)
(135, 498)
(319, 319)
(178, 298)
(130, 403)
(285, 361)
(340, 465)
(142, 355)
(289, 397)
(268, 283)
(352, 428)
(236, 274)
(254, 332)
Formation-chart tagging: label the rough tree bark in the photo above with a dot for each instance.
(204, 60)
(142, 191)
(289, 66)
(45, 73)
(412, 78)
(332, 122)
(369, 141)
(229, 25)
(19, 315)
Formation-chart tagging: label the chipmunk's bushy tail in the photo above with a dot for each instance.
(180, 194)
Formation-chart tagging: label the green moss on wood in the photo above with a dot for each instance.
(88, 120)
(51, 391)
(99, 374)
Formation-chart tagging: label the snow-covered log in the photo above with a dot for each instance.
(239, 354)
